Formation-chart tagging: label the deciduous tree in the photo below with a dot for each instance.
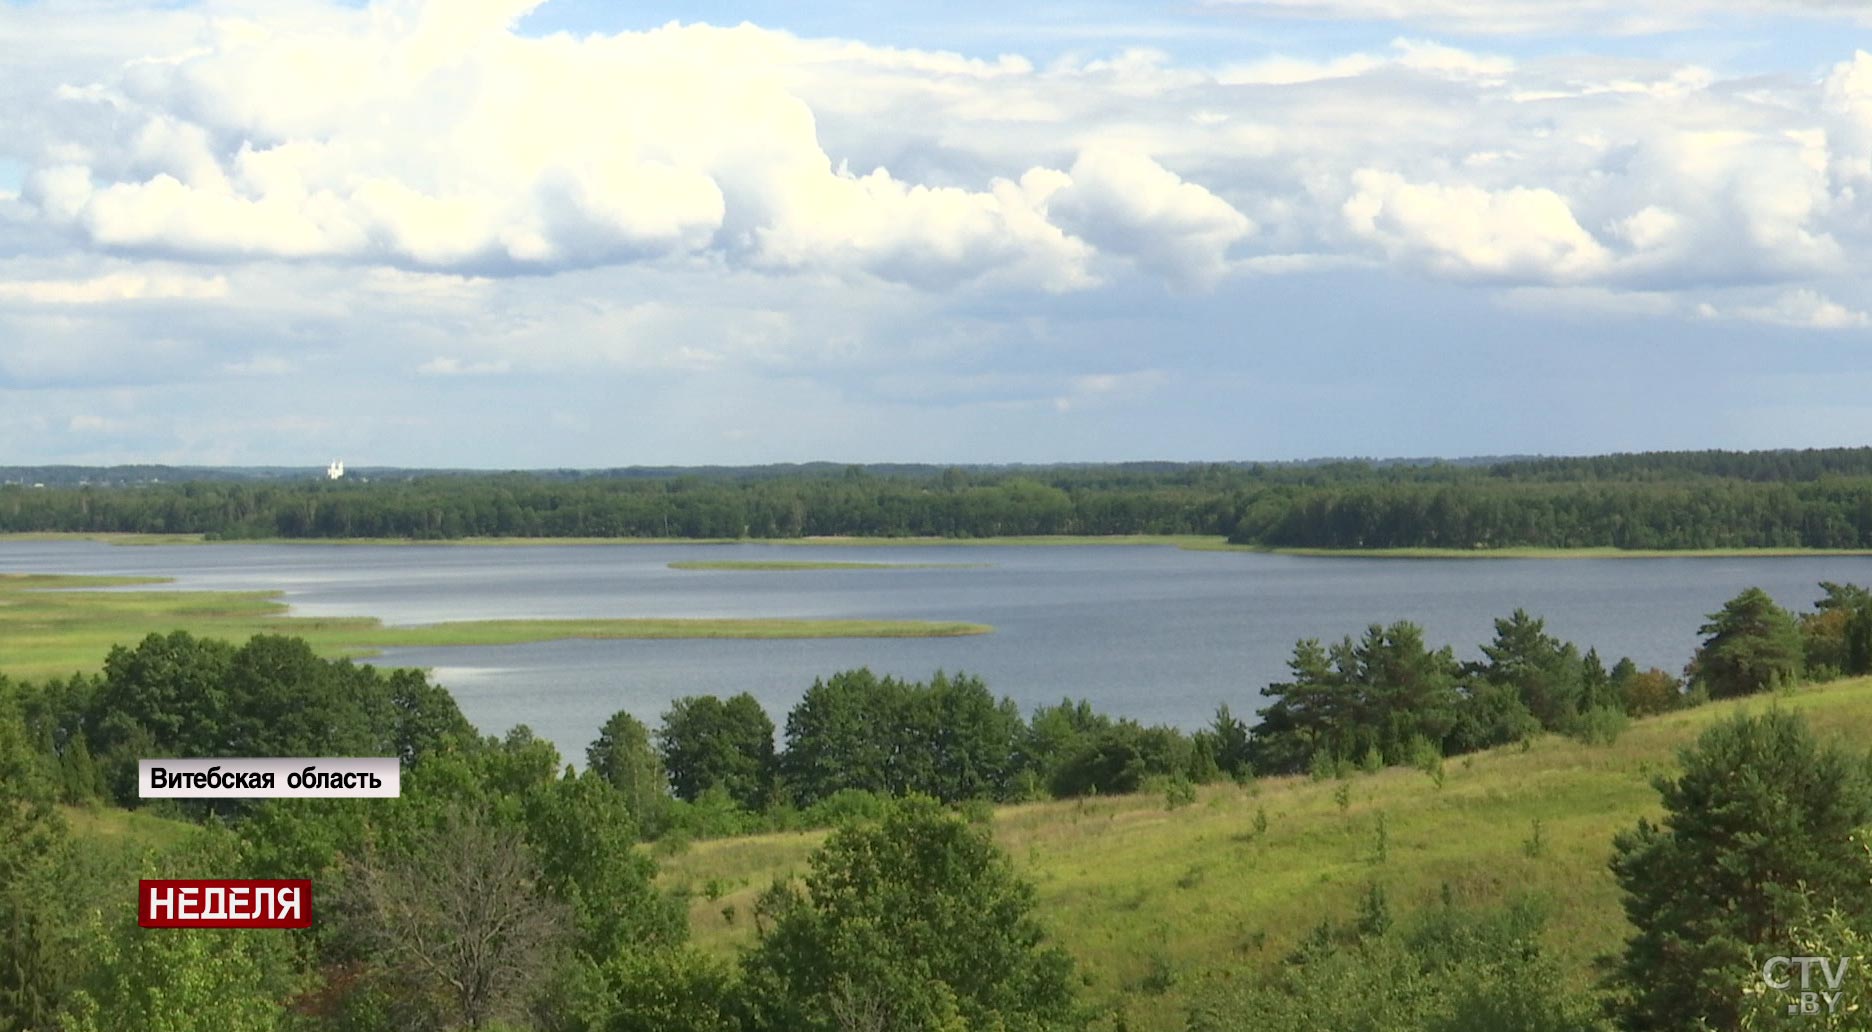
(914, 923)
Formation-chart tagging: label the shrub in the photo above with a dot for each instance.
(845, 806)
(1600, 725)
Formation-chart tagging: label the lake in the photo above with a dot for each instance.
(1154, 633)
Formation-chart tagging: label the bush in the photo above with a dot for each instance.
(1444, 969)
(1654, 691)
(1423, 754)
(1178, 793)
(1600, 725)
(648, 990)
(916, 922)
(845, 806)
(712, 815)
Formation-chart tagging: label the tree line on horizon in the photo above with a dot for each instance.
(1675, 500)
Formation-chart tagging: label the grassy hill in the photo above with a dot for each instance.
(1153, 902)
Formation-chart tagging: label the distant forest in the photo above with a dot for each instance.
(1660, 500)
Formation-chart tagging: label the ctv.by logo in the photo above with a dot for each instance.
(1778, 974)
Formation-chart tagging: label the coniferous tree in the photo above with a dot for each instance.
(1546, 673)
(1232, 748)
(1760, 829)
(1752, 645)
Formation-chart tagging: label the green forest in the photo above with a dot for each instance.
(506, 890)
(1666, 500)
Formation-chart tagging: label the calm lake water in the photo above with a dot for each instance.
(1154, 633)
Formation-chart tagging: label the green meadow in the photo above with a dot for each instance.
(1154, 902)
(52, 625)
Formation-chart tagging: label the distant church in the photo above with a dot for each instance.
(335, 470)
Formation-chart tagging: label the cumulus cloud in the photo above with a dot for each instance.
(1129, 204)
(429, 136)
(436, 150)
(1520, 233)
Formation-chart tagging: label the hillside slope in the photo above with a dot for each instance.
(1152, 901)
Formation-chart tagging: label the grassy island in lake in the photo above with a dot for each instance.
(55, 624)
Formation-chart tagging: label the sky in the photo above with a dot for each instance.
(584, 233)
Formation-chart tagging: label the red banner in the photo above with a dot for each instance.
(224, 903)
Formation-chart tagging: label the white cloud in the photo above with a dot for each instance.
(1412, 55)
(1516, 17)
(84, 423)
(1093, 389)
(428, 136)
(1596, 302)
(1129, 204)
(116, 286)
(262, 365)
(1519, 233)
(1802, 309)
(436, 152)
(446, 365)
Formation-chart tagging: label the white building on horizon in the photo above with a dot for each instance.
(335, 470)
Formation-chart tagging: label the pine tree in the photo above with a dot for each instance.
(1753, 645)
(1759, 829)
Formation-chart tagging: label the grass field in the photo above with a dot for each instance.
(1154, 902)
(51, 626)
(780, 565)
(108, 824)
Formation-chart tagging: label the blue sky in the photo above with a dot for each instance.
(509, 234)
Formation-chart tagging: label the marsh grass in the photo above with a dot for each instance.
(53, 625)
